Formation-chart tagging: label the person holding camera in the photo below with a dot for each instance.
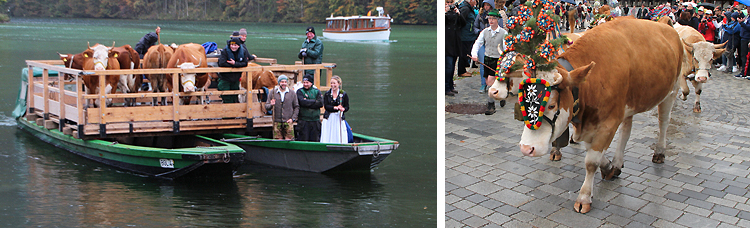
(312, 50)
(707, 27)
(453, 24)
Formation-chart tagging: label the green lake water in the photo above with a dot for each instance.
(391, 86)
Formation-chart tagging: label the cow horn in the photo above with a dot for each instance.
(113, 44)
(688, 46)
(199, 62)
(718, 46)
(89, 44)
(177, 63)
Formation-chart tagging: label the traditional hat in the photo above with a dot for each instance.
(243, 32)
(494, 13)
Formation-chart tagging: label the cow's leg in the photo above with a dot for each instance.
(614, 168)
(583, 202)
(665, 110)
(684, 88)
(698, 89)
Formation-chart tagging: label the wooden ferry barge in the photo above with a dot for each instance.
(158, 141)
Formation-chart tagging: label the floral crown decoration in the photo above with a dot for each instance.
(534, 35)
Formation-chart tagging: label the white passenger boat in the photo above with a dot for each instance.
(359, 27)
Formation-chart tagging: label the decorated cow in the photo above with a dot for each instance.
(609, 68)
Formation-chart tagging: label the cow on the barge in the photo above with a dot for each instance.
(620, 68)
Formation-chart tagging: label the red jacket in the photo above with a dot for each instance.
(708, 30)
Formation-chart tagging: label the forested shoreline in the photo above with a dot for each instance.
(281, 11)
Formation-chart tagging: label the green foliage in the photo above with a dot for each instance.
(283, 11)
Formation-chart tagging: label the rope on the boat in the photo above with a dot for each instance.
(377, 152)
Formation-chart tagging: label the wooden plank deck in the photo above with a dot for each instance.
(73, 115)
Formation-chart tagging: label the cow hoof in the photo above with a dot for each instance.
(555, 155)
(582, 208)
(682, 97)
(697, 109)
(611, 173)
(502, 103)
(658, 158)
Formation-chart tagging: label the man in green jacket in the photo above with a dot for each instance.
(312, 50)
(310, 101)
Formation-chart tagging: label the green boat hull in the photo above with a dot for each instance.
(363, 155)
(208, 159)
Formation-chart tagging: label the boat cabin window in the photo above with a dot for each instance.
(381, 23)
(335, 24)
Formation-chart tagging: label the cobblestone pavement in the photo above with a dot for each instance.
(489, 183)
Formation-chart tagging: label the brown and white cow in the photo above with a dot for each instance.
(100, 57)
(189, 56)
(128, 58)
(157, 57)
(265, 78)
(695, 69)
(613, 63)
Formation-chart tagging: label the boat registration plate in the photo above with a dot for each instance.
(166, 163)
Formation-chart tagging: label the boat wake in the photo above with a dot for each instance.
(7, 121)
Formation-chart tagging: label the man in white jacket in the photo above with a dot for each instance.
(492, 38)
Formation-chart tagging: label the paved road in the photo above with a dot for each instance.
(488, 183)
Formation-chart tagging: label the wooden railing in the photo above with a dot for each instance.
(67, 110)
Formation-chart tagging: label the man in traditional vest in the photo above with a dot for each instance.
(492, 38)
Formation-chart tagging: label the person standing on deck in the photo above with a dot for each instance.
(312, 50)
(234, 55)
(148, 40)
(336, 103)
(310, 101)
(285, 108)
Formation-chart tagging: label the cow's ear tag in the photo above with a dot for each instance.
(86, 55)
(65, 59)
(116, 55)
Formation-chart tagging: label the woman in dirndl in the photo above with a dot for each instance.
(336, 103)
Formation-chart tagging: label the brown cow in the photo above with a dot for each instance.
(157, 57)
(702, 53)
(71, 61)
(129, 83)
(92, 61)
(613, 63)
(189, 56)
(261, 79)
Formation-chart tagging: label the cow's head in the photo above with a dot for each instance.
(100, 55)
(541, 129)
(703, 53)
(188, 79)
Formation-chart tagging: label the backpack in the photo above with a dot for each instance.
(209, 46)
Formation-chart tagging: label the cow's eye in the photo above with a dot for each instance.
(551, 107)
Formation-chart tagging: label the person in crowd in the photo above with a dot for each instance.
(707, 27)
(491, 37)
(743, 45)
(453, 24)
(625, 9)
(642, 12)
(696, 18)
(312, 49)
(466, 10)
(234, 55)
(310, 101)
(285, 108)
(480, 23)
(336, 104)
(684, 18)
(731, 29)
